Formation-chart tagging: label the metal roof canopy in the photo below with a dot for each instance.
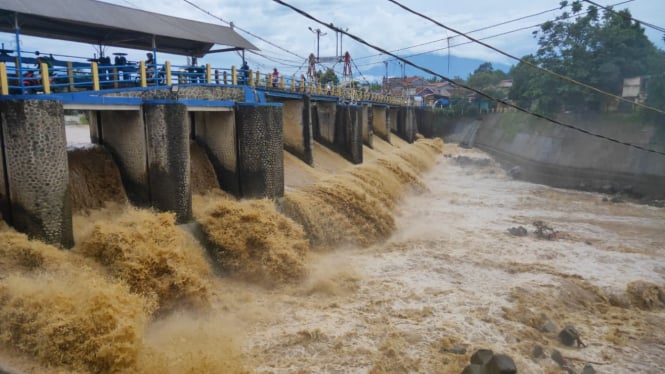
(96, 22)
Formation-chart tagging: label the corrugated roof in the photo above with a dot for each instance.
(96, 22)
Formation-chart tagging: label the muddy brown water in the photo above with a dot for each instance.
(137, 294)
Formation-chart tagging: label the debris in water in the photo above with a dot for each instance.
(518, 231)
(544, 231)
(569, 336)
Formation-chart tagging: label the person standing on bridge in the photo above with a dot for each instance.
(275, 77)
(244, 73)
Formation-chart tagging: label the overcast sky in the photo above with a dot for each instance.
(377, 21)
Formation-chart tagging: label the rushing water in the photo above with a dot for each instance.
(377, 268)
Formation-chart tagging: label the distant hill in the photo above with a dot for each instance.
(459, 66)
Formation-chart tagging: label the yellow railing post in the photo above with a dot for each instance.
(115, 77)
(208, 74)
(258, 78)
(250, 78)
(282, 82)
(4, 89)
(144, 83)
(293, 83)
(302, 86)
(167, 66)
(234, 75)
(70, 75)
(95, 76)
(268, 80)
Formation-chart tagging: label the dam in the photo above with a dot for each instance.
(217, 227)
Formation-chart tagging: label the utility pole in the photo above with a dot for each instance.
(318, 35)
(386, 86)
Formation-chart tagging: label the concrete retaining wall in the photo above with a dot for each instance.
(562, 157)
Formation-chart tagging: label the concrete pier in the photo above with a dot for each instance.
(167, 141)
(406, 124)
(298, 128)
(35, 190)
(260, 140)
(380, 122)
(216, 133)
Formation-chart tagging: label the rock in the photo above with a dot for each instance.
(537, 352)
(501, 364)
(568, 369)
(474, 369)
(518, 231)
(588, 369)
(569, 336)
(549, 326)
(616, 199)
(605, 199)
(558, 358)
(515, 172)
(481, 356)
(457, 349)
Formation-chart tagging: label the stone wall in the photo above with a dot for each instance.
(260, 150)
(35, 191)
(167, 140)
(217, 93)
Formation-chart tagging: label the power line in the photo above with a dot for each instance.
(479, 92)
(234, 26)
(562, 77)
(472, 31)
(609, 9)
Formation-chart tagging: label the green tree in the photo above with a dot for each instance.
(328, 76)
(485, 76)
(597, 49)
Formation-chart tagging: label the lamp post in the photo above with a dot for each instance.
(318, 35)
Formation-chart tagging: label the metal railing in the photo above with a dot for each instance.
(68, 76)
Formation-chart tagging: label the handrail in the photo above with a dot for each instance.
(74, 76)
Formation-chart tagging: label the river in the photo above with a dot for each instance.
(441, 278)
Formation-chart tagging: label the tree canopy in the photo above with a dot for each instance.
(597, 48)
(485, 76)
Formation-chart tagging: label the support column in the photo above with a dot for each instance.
(392, 119)
(406, 124)
(380, 122)
(123, 134)
(167, 135)
(366, 120)
(349, 133)
(298, 128)
(216, 133)
(35, 195)
(260, 150)
(323, 122)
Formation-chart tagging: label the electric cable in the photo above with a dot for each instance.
(234, 26)
(609, 9)
(482, 29)
(560, 76)
(479, 92)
